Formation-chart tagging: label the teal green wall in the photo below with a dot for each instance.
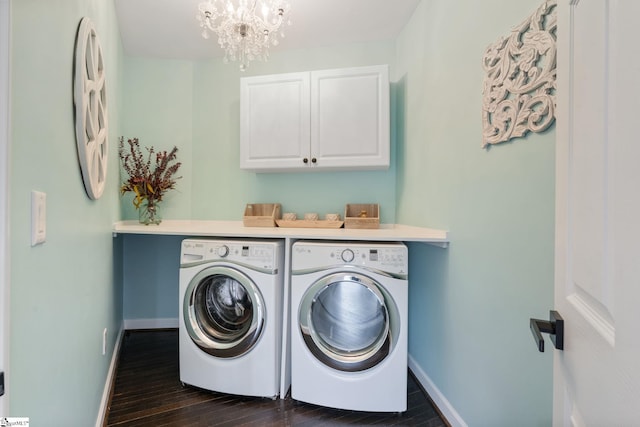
(64, 292)
(470, 304)
(151, 291)
(157, 108)
(216, 136)
(196, 106)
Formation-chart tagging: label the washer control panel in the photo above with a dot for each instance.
(387, 257)
(255, 253)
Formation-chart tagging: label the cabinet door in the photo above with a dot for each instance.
(274, 122)
(350, 118)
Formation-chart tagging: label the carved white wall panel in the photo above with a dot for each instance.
(520, 83)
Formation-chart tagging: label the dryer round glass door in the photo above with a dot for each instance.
(223, 312)
(344, 321)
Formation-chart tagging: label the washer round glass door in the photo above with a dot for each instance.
(344, 322)
(223, 312)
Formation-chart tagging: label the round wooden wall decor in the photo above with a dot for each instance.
(90, 99)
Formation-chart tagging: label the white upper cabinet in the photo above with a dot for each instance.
(274, 121)
(319, 120)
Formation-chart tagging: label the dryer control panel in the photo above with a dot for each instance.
(387, 257)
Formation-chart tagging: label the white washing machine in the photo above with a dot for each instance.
(231, 296)
(349, 309)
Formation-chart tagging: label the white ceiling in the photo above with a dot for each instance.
(168, 28)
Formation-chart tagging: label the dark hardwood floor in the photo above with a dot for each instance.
(147, 392)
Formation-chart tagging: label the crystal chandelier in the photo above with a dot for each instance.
(245, 28)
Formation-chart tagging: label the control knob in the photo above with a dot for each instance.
(222, 251)
(347, 255)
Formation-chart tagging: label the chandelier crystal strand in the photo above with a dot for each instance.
(245, 28)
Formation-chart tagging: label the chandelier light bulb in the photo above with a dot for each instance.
(244, 33)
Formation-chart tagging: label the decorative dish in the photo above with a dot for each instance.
(300, 223)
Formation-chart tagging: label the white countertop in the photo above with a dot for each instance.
(386, 232)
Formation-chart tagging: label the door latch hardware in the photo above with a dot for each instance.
(554, 327)
(1, 383)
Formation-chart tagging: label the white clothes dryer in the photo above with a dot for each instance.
(349, 310)
(230, 317)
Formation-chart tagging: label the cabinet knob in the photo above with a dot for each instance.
(313, 160)
(305, 160)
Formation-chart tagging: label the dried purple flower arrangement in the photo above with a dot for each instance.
(149, 178)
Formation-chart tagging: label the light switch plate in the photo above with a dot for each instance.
(38, 217)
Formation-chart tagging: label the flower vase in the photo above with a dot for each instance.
(150, 212)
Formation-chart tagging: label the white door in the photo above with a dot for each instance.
(4, 195)
(597, 282)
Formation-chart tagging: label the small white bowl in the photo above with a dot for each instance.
(311, 216)
(332, 217)
(289, 216)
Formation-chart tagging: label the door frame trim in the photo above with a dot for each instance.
(5, 123)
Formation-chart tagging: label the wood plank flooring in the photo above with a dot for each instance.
(147, 392)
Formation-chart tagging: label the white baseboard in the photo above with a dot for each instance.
(436, 395)
(102, 411)
(167, 323)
